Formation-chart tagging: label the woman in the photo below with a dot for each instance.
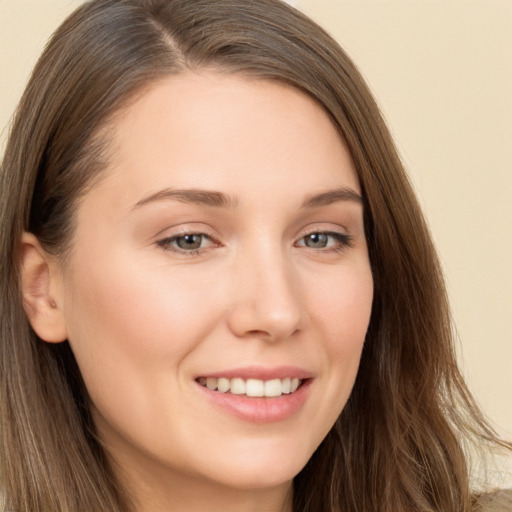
(220, 293)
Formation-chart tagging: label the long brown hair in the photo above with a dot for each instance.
(399, 443)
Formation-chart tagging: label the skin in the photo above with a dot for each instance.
(145, 319)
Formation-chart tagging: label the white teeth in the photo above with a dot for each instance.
(254, 387)
(237, 386)
(273, 387)
(251, 387)
(223, 385)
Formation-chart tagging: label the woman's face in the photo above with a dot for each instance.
(224, 247)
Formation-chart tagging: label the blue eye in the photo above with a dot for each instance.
(325, 240)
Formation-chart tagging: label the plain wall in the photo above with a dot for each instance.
(442, 73)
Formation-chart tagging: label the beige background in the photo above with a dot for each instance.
(442, 73)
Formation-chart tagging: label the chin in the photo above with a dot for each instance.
(261, 468)
(250, 478)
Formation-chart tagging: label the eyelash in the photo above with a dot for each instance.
(343, 241)
(167, 243)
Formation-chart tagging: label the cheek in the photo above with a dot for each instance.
(343, 307)
(125, 324)
(131, 331)
(343, 312)
(339, 316)
(140, 309)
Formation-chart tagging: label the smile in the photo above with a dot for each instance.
(251, 387)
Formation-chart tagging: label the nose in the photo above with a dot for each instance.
(268, 302)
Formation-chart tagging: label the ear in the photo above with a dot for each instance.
(39, 285)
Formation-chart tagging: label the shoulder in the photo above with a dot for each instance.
(495, 501)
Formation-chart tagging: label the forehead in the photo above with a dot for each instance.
(226, 132)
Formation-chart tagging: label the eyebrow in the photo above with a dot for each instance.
(220, 200)
(333, 196)
(193, 196)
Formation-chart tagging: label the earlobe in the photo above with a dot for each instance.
(40, 300)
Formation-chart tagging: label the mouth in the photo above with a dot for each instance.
(272, 388)
(257, 394)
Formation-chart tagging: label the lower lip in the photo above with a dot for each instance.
(260, 409)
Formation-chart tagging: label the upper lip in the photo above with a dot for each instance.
(261, 373)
